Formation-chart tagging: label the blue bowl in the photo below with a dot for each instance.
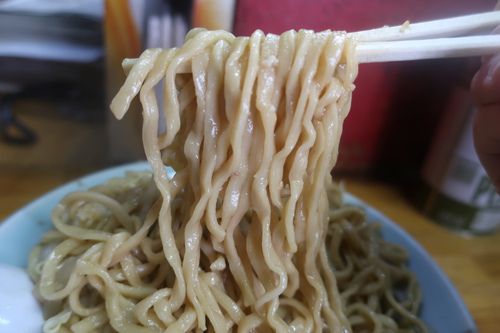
(442, 308)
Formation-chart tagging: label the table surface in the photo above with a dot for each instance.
(472, 263)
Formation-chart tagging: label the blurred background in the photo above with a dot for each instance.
(406, 147)
(60, 65)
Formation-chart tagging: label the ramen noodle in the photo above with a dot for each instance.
(238, 227)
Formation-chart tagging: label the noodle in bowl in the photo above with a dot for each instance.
(250, 234)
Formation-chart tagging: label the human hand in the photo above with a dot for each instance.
(485, 91)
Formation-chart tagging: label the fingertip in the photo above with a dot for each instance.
(485, 85)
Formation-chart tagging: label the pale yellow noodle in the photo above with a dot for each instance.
(250, 234)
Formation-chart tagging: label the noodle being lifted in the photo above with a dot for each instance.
(250, 234)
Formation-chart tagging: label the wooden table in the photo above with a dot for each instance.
(473, 264)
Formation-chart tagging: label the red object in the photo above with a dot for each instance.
(396, 106)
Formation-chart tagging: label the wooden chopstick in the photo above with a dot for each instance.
(427, 49)
(448, 27)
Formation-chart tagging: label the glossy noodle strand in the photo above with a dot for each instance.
(250, 234)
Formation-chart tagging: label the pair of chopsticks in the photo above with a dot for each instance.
(463, 36)
(443, 38)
